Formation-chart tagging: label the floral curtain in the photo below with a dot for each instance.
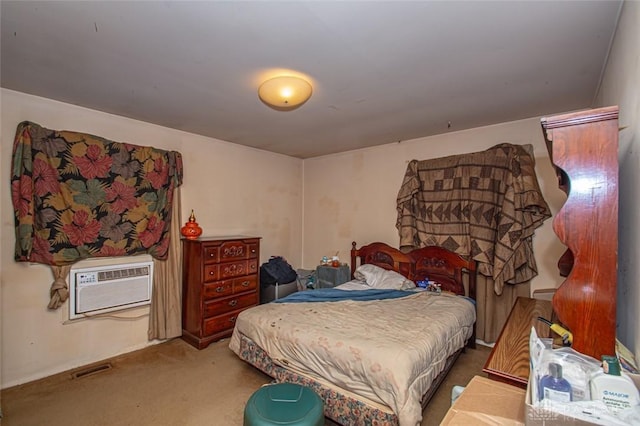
(77, 196)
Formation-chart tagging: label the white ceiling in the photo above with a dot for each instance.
(382, 71)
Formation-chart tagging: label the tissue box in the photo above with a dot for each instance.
(487, 402)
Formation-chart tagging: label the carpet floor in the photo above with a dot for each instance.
(172, 384)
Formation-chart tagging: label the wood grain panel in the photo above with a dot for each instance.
(584, 148)
(509, 359)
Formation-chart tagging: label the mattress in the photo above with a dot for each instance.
(385, 351)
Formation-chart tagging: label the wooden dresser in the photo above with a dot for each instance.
(583, 147)
(219, 280)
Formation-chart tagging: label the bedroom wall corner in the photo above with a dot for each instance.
(621, 86)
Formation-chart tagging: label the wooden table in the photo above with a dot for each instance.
(509, 360)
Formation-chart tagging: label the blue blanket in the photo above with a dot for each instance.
(336, 295)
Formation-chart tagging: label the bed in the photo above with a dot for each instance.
(374, 361)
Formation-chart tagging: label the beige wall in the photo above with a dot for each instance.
(233, 190)
(621, 86)
(352, 196)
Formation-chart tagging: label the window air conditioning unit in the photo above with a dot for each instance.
(100, 289)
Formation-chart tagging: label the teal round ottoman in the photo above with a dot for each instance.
(284, 404)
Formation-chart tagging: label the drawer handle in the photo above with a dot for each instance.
(234, 302)
(219, 289)
(211, 254)
(232, 319)
(210, 272)
(253, 266)
(253, 250)
(246, 283)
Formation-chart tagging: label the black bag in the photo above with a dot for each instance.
(276, 270)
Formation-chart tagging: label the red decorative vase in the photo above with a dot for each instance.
(191, 230)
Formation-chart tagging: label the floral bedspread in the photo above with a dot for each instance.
(386, 351)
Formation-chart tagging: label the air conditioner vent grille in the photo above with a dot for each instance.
(117, 274)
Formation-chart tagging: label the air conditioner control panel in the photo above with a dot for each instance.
(86, 278)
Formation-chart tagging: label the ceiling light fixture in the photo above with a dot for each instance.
(285, 93)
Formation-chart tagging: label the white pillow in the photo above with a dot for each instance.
(377, 277)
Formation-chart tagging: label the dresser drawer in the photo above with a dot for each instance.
(243, 284)
(253, 250)
(220, 323)
(217, 289)
(229, 251)
(236, 269)
(224, 271)
(252, 266)
(211, 254)
(236, 250)
(228, 304)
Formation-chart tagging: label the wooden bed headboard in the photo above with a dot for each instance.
(435, 263)
(382, 255)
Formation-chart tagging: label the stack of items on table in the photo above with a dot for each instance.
(568, 386)
(565, 387)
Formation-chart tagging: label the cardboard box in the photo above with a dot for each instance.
(539, 416)
(487, 402)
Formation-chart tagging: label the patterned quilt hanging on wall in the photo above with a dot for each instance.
(77, 196)
(486, 205)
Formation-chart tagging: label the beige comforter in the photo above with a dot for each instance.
(388, 351)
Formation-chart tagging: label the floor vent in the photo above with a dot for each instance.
(91, 371)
